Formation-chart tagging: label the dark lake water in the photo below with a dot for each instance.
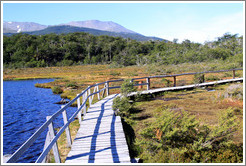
(25, 108)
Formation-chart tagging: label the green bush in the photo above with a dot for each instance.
(127, 87)
(73, 85)
(198, 78)
(166, 82)
(114, 73)
(212, 78)
(121, 106)
(114, 65)
(56, 90)
(178, 137)
(142, 97)
(65, 62)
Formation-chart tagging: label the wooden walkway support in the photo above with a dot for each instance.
(100, 138)
(152, 91)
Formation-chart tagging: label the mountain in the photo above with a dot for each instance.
(71, 29)
(100, 25)
(10, 27)
(94, 27)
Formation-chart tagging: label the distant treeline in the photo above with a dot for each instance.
(23, 50)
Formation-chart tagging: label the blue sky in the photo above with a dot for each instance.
(198, 22)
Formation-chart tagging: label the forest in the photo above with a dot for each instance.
(79, 48)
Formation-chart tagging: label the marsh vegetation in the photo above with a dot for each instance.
(200, 125)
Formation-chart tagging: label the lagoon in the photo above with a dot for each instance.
(25, 108)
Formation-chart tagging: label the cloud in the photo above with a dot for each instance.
(228, 23)
(201, 31)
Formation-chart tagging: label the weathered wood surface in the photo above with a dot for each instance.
(152, 91)
(100, 138)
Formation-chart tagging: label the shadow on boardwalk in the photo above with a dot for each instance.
(101, 137)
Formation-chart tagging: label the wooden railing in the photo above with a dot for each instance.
(176, 75)
(85, 95)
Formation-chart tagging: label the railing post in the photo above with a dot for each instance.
(55, 147)
(98, 94)
(78, 106)
(103, 90)
(234, 74)
(89, 92)
(148, 83)
(107, 87)
(84, 101)
(174, 81)
(92, 97)
(140, 86)
(47, 141)
(69, 140)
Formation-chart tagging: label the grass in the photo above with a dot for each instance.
(73, 79)
(62, 142)
(204, 103)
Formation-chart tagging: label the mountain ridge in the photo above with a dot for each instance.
(64, 29)
(22, 26)
(94, 27)
(100, 25)
(94, 24)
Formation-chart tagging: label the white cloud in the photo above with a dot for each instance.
(201, 31)
(229, 23)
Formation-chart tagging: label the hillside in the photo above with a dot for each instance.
(71, 29)
(16, 27)
(23, 50)
(100, 25)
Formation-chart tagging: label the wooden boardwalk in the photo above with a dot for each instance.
(100, 138)
(152, 91)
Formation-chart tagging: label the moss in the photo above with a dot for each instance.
(57, 90)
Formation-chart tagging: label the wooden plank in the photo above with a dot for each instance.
(100, 138)
(78, 106)
(148, 83)
(55, 147)
(186, 87)
(67, 130)
(47, 141)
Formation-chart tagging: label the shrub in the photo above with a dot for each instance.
(127, 87)
(114, 65)
(234, 91)
(212, 78)
(178, 137)
(181, 83)
(121, 106)
(56, 90)
(73, 85)
(166, 82)
(142, 97)
(65, 62)
(198, 78)
(114, 73)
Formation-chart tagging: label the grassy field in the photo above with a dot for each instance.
(73, 79)
(206, 104)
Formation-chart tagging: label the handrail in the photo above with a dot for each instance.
(175, 75)
(28, 143)
(45, 125)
